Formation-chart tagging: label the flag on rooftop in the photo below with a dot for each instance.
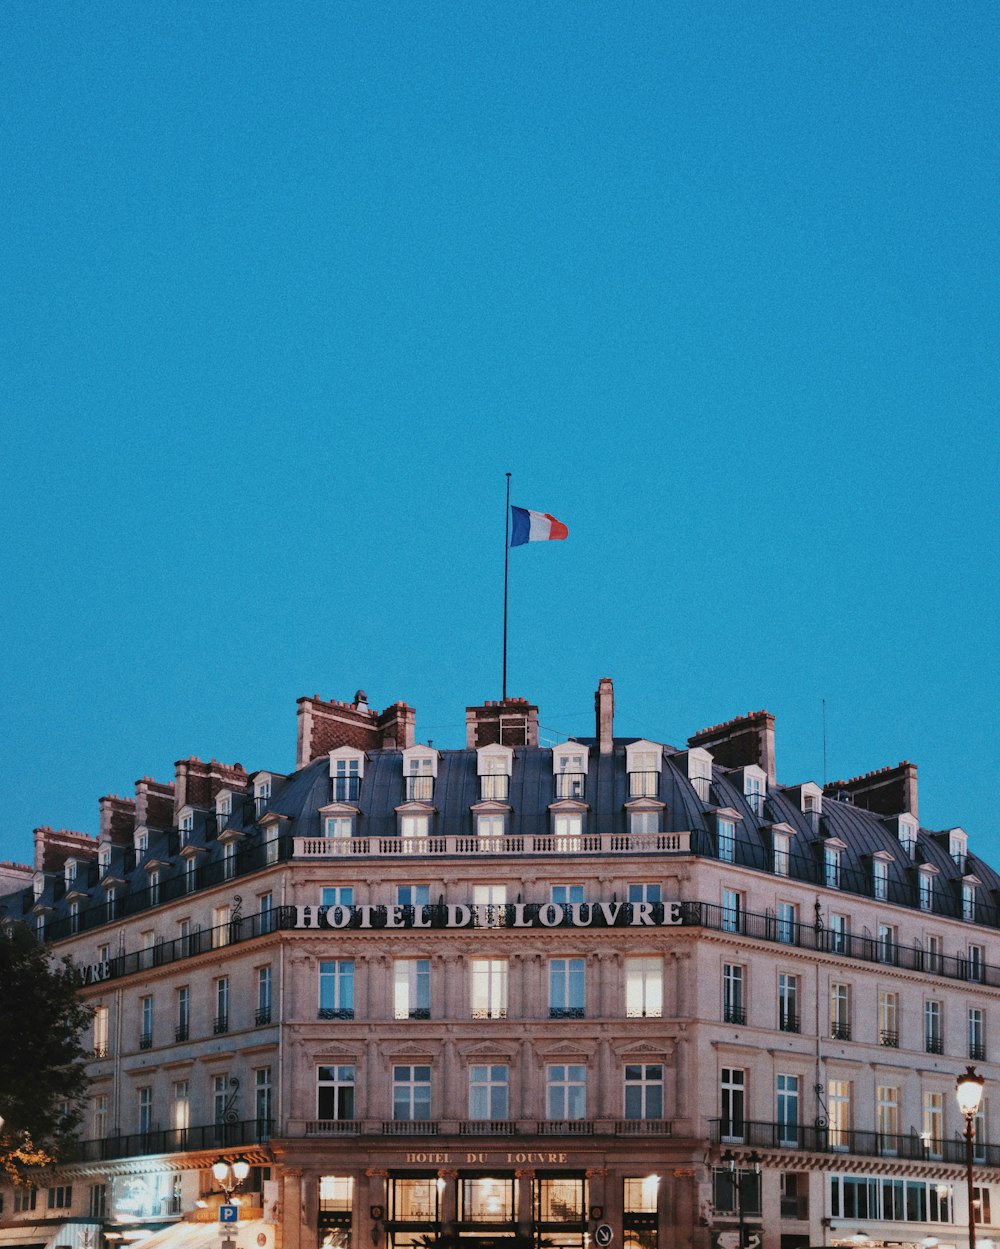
(527, 526)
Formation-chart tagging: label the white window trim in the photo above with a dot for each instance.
(494, 751)
(421, 752)
(566, 750)
(347, 752)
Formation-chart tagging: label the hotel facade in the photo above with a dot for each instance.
(519, 995)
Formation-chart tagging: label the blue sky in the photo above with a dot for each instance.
(288, 288)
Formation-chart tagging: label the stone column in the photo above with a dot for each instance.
(377, 1196)
(525, 1211)
(447, 1203)
(678, 1211)
(292, 1212)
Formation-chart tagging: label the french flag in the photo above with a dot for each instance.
(528, 526)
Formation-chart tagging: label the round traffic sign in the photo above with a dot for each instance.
(603, 1235)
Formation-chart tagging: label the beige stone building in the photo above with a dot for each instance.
(604, 991)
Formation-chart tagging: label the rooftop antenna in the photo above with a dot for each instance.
(824, 743)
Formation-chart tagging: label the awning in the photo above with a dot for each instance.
(248, 1234)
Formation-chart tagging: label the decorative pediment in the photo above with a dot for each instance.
(565, 1051)
(490, 1051)
(409, 1051)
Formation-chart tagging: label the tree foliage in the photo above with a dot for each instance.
(43, 1080)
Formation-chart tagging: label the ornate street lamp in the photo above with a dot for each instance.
(230, 1176)
(739, 1176)
(969, 1091)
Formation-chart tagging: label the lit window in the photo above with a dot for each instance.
(560, 1201)
(181, 1118)
(838, 1100)
(640, 1195)
(644, 988)
(412, 988)
(336, 1192)
(932, 1131)
(489, 988)
(101, 1032)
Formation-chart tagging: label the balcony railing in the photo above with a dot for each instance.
(409, 1127)
(262, 1016)
(174, 1140)
(644, 1127)
(475, 846)
(335, 1012)
(494, 788)
(825, 1140)
(933, 1044)
(567, 1012)
(734, 1014)
(840, 1031)
(788, 1022)
(146, 1041)
(333, 1127)
(420, 789)
(977, 1050)
(570, 785)
(220, 1024)
(888, 1039)
(487, 1127)
(643, 784)
(565, 1127)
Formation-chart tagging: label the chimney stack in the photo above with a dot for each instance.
(738, 743)
(507, 722)
(604, 707)
(888, 791)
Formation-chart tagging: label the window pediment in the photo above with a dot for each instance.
(645, 804)
(568, 804)
(570, 757)
(490, 806)
(416, 808)
(340, 808)
(494, 760)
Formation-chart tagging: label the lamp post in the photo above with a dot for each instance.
(969, 1091)
(738, 1176)
(230, 1175)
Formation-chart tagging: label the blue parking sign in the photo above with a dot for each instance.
(229, 1214)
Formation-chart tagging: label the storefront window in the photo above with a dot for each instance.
(486, 1200)
(560, 1201)
(336, 1192)
(640, 1195)
(413, 1200)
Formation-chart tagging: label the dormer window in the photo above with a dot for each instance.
(754, 788)
(223, 812)
(38, 885)
(420, 765)
(832, 851)
(103, 859)
(644, 822)
(347, 767)
(141, 841)
(781, 848)
(725, 832)
(906, 830)
(642, 763)
(154, 887)
(699, 770)
(494, 765)
(969, 887)
(69, 873)
(261, 793)
(185, 825)
(958, 846)
(925, 887)
(339, 827)
(880, 876)
(569, 768)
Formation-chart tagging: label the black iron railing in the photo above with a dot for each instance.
(830, 1140)
(175, 1140)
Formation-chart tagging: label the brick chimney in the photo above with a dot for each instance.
(117, 819)
(508, 722)
(738, 743)
(53, 846)
(154, 803)
(888, 791)
(323, 726)
(196, 783)
(604, 707)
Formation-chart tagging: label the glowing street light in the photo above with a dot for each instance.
(230, 1175)
(969, 1091)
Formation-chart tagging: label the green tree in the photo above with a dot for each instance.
(43, 1080)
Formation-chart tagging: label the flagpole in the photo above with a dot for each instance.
(506, 566)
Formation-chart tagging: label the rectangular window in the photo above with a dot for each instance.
(566, 988)
(732, 910)
(831, 867)
(182, 1105)
(639, 1196)
(25, 1198)
(880, 879)
(220, 926)
(146, 1024)
(727, 840)
(644, 891)
(926, 891)
(840, 1012)
(643, 773)
(229, 860)
(490, 902)
(494, 781)
(839, 933)
(489, 988)
(413, 895)
(491, 824)
(976, 963)
(566, 1091)
(887, 1117)
(221, 1023)
(932, 1132)
(933, 1037)
(486, 1200)
(101, 1105)
(568, 829)
(780, 849)
(566, 895)
(183, 1028)
(420, 780)
(413, 1200)
(100, 1032)
(98, 1202)
(336, 895)
(415, 827)
(753, 791)
(145, 1099)
(977, 1033)
(981, 1205)
(338, 827)
(733, 1104)
(887, 943)
(220, 1097)
(411, 1093)
(263, 1013)
(788, 1002)
(888, 1018)
(643, 1091)
(266, 911)
(190, 875)
(560, 1201)
(644, 988)
(336, 989)
(262, 1098)
(346, 780)
(787, 1105)
(489, 1092)
(838, 1100)
(643, 822)
(570, 776)
(788, 923)
(733, 1005)
(60, 1197)
(335, 1093)
(412, 988)
(935, 954)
